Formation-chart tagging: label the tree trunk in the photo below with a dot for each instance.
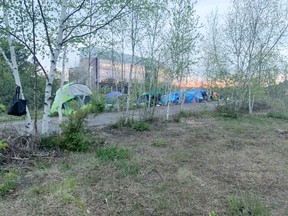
(53, 62)
(14, 67)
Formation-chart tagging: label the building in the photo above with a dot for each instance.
(106, 67)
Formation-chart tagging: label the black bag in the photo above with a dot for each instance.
(18, 106)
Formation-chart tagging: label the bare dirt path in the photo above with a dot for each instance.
(106, 118)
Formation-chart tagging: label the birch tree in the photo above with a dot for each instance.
(64, 29)
(182, 39)
(253, 31)
(12, 63)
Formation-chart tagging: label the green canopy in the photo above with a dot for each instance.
(71, 93)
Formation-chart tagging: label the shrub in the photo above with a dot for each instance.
(247, 205)
(277, 115)
(72, 137)
(113, 153)
(96, 105)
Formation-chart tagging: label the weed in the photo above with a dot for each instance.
(113, 153)
(247, 205)
(8, 183)
(3, 145)
(161, 143)
(213, 213)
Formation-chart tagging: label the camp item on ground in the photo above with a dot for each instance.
(74, 96)
(18, 106)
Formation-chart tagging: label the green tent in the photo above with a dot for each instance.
(74, 96)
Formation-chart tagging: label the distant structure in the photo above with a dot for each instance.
(104, 67)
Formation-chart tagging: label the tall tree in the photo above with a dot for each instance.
(253, 31)
(66, 28)
(183, 37)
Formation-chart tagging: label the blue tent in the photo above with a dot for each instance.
(114, 94)
(195, 93)
(173, 97)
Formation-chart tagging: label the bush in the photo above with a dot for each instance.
(72, 137)
(96, 105)
(277, 115)
(247, 205)
(227, 112)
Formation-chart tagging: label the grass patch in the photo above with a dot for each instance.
(249, 204)
(128, 168)
(7, 183)
(113, 153)
(161, 143)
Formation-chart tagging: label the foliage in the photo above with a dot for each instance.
(73, 137)
(227, 112)
(277, 115)
(3, 107)
(113, 153)
(8, 183)
(247, 205)
(97, 105)
(3, 145)
(213, 213)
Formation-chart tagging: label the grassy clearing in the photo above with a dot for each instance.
(201, 165)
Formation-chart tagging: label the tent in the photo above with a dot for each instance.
(172, 97)
(114, 94)
(74, 96)
(198, 94)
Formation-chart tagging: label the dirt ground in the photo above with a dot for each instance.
(185, 167)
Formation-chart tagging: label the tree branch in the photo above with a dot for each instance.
(27, 46)
(46, 28)
(67, 39)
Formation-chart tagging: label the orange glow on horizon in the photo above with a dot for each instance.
(196, 84)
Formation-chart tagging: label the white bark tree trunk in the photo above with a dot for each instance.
(53, 62)
(14, 67)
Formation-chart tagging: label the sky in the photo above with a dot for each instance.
(202, 7)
